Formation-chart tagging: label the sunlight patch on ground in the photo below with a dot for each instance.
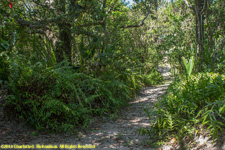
(138, 101)
(139, 122)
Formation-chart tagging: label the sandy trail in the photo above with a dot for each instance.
(121, 133)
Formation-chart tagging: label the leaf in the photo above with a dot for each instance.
(188, 65)
(173, 141)
(91, 98)
(185, 62)
(4, 44)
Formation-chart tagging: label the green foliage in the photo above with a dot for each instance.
(154, 77)
(56, 97)
(59, 98)
(113, 63)
(4, 59)
(188, 66)
(188, 104)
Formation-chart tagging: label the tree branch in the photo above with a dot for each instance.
(37, 25)
(43, 5)
(189, 6)
(92, 24)
(138, 25)
(88, 33)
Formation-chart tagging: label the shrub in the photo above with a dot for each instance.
(188, 103)
(154, 77)
(58, 98)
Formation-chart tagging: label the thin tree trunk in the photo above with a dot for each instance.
(104, 34)
(199, 6)
(63, 45)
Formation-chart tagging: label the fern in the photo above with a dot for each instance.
(188, 103)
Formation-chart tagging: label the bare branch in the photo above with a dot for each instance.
(188, 5)
(202, 11)
(138, 25)
(92, 24)
(40, 24)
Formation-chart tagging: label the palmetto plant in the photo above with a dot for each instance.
(188, 104)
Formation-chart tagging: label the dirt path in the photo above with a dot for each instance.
(121, 133)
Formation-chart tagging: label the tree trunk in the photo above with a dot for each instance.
(199, 13)
(63, 45)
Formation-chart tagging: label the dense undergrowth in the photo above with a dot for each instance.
(189, 107)
(58, 98)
